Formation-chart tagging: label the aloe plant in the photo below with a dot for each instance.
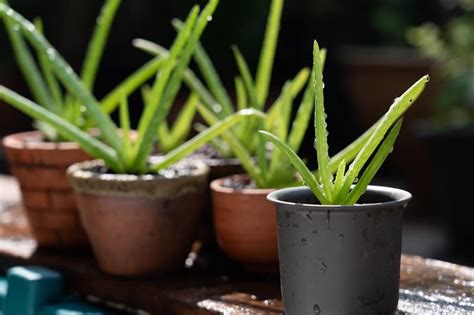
(215, 104)
(251, 92)
(120, 153)
(352, 176)
(43, 81)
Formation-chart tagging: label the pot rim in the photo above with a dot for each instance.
(216, 185)
(18, 141)
(399, 197)
(81, 171)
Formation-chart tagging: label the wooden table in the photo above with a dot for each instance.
(426, 286)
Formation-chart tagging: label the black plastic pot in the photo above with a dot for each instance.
(340, 259)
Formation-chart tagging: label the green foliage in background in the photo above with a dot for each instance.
(452, 46)
(354, 172)
(44, 83)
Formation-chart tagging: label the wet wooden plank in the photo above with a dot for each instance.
(426, 286)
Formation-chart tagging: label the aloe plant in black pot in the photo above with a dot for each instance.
(339, 240)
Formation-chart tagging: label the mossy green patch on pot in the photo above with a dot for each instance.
(181, 179)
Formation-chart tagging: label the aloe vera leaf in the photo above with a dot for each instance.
(51, 81)
(97, 43)
(110, 102)
(183, 123)
(298, 82)
(320, 126)
(209, 74)
(26, 61)
(150, 116)
(222, 148)
(174, 83)
(267, 55)
(66, 75)
(204, 137)
(281, 129)
(191, 80)
(396, 110)
(339, 181)
(308, 178)
(303, 115)
(382, 153)
(247, 78)
(261, 155)
(88, 143)
(240, 151)
(124, 117)
(241, 96)
(301, 121)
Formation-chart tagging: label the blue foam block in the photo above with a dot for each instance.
(29, 288)
(3, 293)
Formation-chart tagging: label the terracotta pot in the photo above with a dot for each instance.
(245, 224)
(139, 224)
(48, 198)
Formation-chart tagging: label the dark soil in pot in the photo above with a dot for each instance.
(140, 224)
(48, 198)
(340, 259)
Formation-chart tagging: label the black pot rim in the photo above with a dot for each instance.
(399, 197)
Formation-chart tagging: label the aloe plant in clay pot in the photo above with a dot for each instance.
(140, 214)
(39, 158)
(339, 240)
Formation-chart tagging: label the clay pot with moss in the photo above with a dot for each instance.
(140, 224)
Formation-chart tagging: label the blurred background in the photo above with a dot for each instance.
(374, 54)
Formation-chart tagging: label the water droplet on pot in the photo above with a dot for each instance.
(316, 309)
(341, 236)
(323, 267)
(328, 218)
(315, 232)
(287, 214)
(308, 216)
(303, 241)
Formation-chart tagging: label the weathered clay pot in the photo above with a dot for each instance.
(139, 224)
(245, 224)
(48, 198)
(340, 259)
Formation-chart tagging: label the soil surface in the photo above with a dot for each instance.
(239, 184)
(206, 152)
(176, 170)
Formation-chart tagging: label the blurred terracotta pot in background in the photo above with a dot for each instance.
(48, 198)
(245, 224)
